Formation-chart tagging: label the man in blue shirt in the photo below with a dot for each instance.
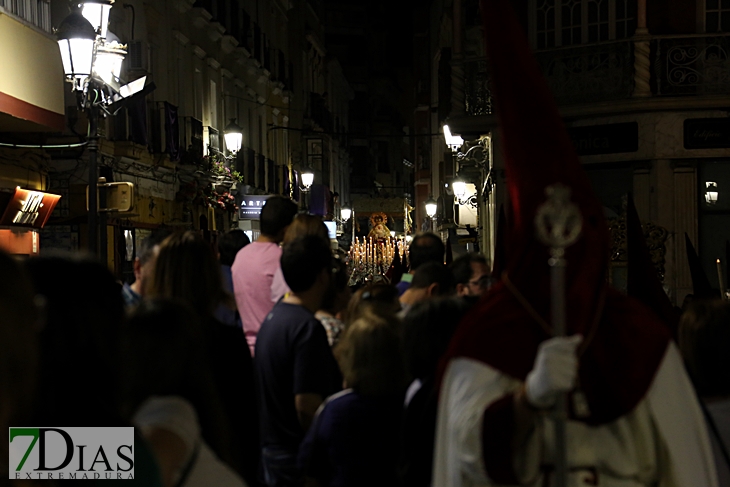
(294, 366)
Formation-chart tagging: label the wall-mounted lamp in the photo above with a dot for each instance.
(453, 142)
(97, 12)
(233, 134)
(711, 192)
(345, 214)
(431, 207)
(307, 179)
(459, 188)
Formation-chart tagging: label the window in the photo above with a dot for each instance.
(717, 15)
(556, 23)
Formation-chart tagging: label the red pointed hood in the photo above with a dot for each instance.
(624, 342)
(499, 264)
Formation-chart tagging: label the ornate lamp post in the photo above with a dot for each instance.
(307, 181)
(93, 66)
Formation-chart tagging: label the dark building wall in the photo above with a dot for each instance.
(665, 17)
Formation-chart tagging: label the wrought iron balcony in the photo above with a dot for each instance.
(618, 70)
(581, 74)
(692, 65)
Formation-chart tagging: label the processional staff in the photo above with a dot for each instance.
(558, 225)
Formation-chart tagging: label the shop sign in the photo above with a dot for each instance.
(27, 208)
(250, 208)
(707, 133)
(605, 139)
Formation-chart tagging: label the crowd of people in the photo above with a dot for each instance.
(330, 388)
(247, 363)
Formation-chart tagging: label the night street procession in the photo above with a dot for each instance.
(347, 243)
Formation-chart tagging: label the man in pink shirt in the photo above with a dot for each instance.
(255, 265)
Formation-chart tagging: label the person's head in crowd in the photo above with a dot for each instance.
(165, 356)
(229, 244)
(276, 215)
(704, 339)
(425, 247)
(376, 299)
(471, 275)
(370, 357)
(427, 330)
(306, 264)
(144, 261)
(338, 294)
(84, 317)
(305, 224)
(432, 279)
(20, 323)
(186, 268)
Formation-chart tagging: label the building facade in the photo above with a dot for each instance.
(643, 89)
(260, 64)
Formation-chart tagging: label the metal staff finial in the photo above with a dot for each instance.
(558, 225)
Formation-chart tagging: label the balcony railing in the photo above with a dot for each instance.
(37, 12)
(583, 74)
(693, 65)
(674, 66)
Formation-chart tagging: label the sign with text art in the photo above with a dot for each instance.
(27, 208)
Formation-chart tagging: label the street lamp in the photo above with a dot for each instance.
(459, 187)
(431, 208)
(345, 214)
(93, 67)
(233, 134)
(454, 142)
(76, 38)
(307, 179)
(711, 192)
(97, 13)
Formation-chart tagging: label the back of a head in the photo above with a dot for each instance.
(162, 349)
(434, 273)
(230, 243)
(338, 286)
(164, 354)
(305, 224)
(461, 267)
(302, 260)
(376, 299)
(146, 249)
(84, 316)
(186, 269)
(704, 339)
(277, 214)
(427, 330)
(370, 357)
(426, 247)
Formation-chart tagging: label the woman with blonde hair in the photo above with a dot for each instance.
(186, 269)
(354, 440)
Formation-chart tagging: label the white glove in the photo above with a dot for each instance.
(555, 371)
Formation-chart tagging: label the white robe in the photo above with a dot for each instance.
(663, 442)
